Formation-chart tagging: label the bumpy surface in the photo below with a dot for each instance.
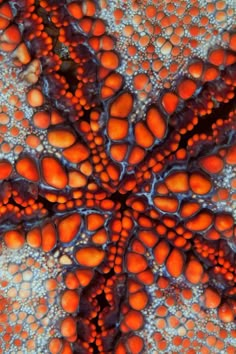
(118, 176)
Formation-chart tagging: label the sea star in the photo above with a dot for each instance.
(118, 176)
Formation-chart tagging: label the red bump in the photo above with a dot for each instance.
(200, 222)
(194, 271)
(135, 263)
(122, 105)
(143, 136)
(231, 155)
(27, 168)
(186, 88)
(14, 239)
(69, 227)
(177, 182)
(170, 102)
(175, 263)
(117, 129)
(224, 222)
(156, 123)
(166, 204)
(212, 164)
(53, 173)
(5, 169)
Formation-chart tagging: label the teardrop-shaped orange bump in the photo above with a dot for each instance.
(34, 237)
(217, 56)
(156, 123)
(134, 320)
(161, 251)
(35, 97)
(117, 129)
(175, 263)
(5, 16)
(136, 155)
(90, 256)
(55, 346)
(188, 209)
(71, 281)
(10, 38)
(14, 239)
(5, 169)
(143, 136)
(170, 102)
(22, 54)
(49, 237)
(100, 237)
(75, 10)
(199, 183)
(177, 182)
(166, 204)
(41, 119)
(118, 151)
(61, 138)
(212, 298)
(109, 60)
(231, 155)
(76, 153)
(68, 227)
(76, 179)
(94, 221)
(84, 276)
(194, 271)
(225, 313)
(186, 88)
(212, 164)
(224, 222)
(135, 344)
(135, 263)
(27, 168)
(200, 222)
(70, 301)
(140, 81)
(122, 105)
(148, 238)
(196, 69)
(68, 327)
(53, 173)
(138, 300)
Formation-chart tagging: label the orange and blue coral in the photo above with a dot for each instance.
(118, 176)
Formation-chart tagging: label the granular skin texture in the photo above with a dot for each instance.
(118, 177)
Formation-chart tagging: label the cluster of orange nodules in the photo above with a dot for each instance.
(159, 39)
(145, 133)
(21, 206)
(103, 166)
(100, 44)
(221, 260)
(171, 316)
(58, 137)
(169, 151)
(153, 128)
(72, 163)
(46, 237)
(29, 294)
(65, 230)
(140, 276)
(219, 128)
(199, 184)
(121, 227)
